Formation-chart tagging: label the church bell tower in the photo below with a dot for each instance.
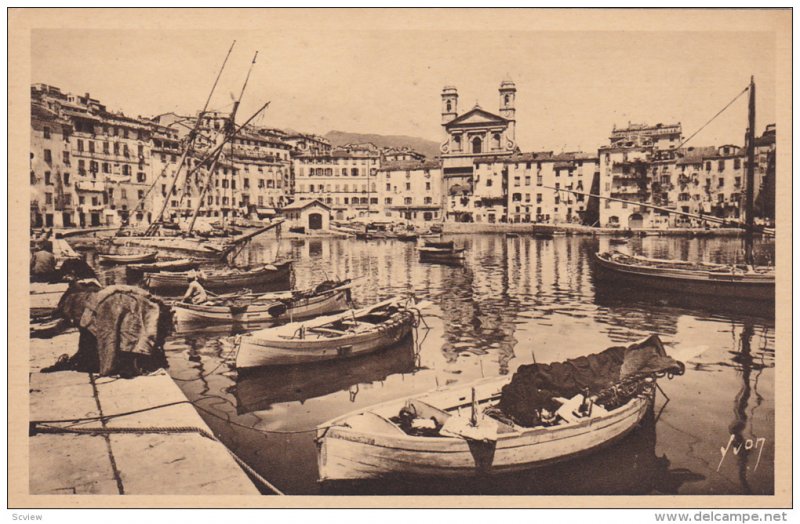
(508, 94)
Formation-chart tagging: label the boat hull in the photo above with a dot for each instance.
(263, 312)
(178, 281)
(717, 284)
(168, 265)
(127, 259)
(347, 454)
(255, 352)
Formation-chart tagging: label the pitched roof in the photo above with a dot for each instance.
(476, 116)
(302, 204)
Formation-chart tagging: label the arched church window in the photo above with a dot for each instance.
(508, 99)
(476, 145)
(496, 141)
(449, 106)
(457, 142)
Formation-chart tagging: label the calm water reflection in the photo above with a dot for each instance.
(514, 300)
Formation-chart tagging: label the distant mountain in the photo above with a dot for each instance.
(429, 148)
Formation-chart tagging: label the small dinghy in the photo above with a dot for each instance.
(354, 332)
(139, 258)
(327, 297)
(543, 414)
(618, 241)
(444, 252)
(178, 264)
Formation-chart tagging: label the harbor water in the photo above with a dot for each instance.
(512, 302)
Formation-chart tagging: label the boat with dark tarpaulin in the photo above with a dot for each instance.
(457, 432)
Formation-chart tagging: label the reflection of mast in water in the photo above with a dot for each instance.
(745, 360)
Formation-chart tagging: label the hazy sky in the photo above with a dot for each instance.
(572, 87)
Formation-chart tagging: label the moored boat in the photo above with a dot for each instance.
(178, 264)
(127, 259)
(327, 297)
(348, 334)
(617, 241)
(462, 432)
(221, 280)
(705, 279)
(443, 252)
(259, 389)
(407, 236)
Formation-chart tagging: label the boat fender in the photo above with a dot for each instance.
(277, 309)
(270, 267)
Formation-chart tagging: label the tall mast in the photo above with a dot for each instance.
(189, 143)
(750, 180)
(230, 132)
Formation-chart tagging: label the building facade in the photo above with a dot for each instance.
(410, 191)
(346, 181)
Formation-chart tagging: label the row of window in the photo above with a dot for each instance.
(117, 148)
(408, 187)
(327, 171)
(333, 188)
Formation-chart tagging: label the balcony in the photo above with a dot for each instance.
(90, 185)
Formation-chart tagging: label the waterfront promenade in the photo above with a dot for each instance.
(152, 450)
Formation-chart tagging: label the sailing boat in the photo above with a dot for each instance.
(743, 282)
(207, 161)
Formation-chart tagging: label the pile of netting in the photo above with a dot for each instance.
(614, 376)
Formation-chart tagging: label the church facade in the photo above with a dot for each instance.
(470, 138)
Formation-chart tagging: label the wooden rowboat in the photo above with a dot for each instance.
(259, 389)
(221, 280)
(127, 259)
(444, 252)
(354, 332)
(366, 444)
(267, 307)
(702, 279)
(178, 264)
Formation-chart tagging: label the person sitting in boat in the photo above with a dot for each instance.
(195, 294)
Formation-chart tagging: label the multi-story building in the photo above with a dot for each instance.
(626, 177)
(253, 177)
(470, 137)
(109, 153)
(765, 174)
(525, 187)
(53, 188)
(685, 185)
(347, 181)
(410, 190)
(724, 173)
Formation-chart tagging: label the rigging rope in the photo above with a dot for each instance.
(746, 89)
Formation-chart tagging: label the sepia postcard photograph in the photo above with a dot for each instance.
(486, 258)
